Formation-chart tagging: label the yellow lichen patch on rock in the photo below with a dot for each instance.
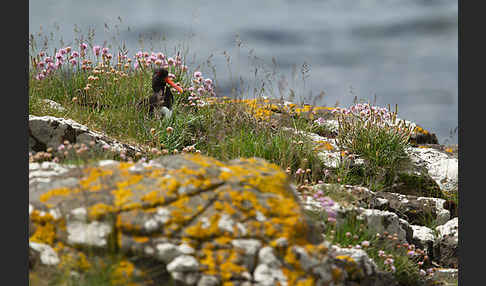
(55, 192)
(193, 200)
(123, 272)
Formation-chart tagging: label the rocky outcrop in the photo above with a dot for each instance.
(205, 221)
(426, 173)
(446, 246)
(50, 132)
(409, 217)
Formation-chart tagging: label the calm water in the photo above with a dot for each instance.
(401, 52)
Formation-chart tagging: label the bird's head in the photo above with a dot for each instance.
(162, 75)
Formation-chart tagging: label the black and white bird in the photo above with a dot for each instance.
(160, 103)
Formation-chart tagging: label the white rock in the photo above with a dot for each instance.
(104, 163)
(266, 256)
(359, 256)
(207, 280)
(185, 249)
(167, 252)
(79, 214)
(268, 276)
(241, 228)
(55, 213)
(451, 228)
(423, 233)
(379, 221)
(423, 237)
(151, 225)
(441, 168)
(250, 246)
(53, 105)
(92, 234)
(47, 255)
(149, 250)
(162, 215)
(260, 217)
(183, 263)
(225, 223)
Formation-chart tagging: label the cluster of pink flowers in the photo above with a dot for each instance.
(326, 203)
(379, 116)
(320, 121)
(144, 59)
(47, 65)
(200, 88)
(99, 58)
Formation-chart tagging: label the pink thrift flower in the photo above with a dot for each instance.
(172, 76)
(83, 46)
(208, 81)
(73, 62)
(138, 55)
(197, 74)
(170, 61)
(96, 50)
(41, 64)
(160, 56)
(75, 54)
(145, 54)
(104, 51)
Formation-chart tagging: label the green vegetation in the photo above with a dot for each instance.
(102, 91)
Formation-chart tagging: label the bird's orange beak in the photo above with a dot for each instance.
(169, 81)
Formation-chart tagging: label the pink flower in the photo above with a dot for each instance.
(73, 62)
(135, 65)
(104, 51)
(197, 74)
(170, 61)
(172, 76)
(208, 81)
(184, 68)
(41, 64)
(83, 46)
(145, 54)
(58, 55)
(62, 51)
(138, 55)
(158, 62)
(96, 50)
(160, 56)
(75, 54)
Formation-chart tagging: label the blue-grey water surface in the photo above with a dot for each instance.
(401, 52)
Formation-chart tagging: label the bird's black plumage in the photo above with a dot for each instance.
(162, 96)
